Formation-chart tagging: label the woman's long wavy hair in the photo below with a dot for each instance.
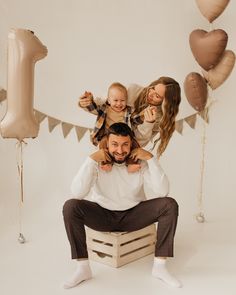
(170, 107)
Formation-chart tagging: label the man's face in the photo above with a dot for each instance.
(119, 147)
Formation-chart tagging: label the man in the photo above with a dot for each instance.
(121, 201)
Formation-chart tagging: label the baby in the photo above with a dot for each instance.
(114, 110)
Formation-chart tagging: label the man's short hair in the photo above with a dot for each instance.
(120, 129)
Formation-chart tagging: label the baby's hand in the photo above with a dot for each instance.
(86, 99)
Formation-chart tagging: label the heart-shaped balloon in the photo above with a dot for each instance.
(195, 88)
(208, 47)
(211, 9)
(216, 76)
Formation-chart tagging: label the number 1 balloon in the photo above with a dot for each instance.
(24, 50)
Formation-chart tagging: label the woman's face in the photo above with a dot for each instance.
(156, 94)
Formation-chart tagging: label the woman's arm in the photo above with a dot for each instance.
(144, 132)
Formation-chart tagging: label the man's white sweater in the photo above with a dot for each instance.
(119, 189)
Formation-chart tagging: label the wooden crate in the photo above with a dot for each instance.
(119, 248)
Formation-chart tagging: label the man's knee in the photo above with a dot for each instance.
(69, 207)
(172, 205)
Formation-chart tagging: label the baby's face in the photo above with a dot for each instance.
(117, 99)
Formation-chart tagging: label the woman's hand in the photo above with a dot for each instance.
(150, 114)
(86, 99)
(140, 154)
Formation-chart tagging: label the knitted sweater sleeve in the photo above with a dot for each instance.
(156, 183)
(84, 179)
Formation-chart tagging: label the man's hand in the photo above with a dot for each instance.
(150, 114)
(86, 99)
(101, 155)
(140, 154)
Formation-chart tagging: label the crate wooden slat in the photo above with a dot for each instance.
(136, 255)
(126, 237)
(101, 247)
(119, 248)
(136, 244)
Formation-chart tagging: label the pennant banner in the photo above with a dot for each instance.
(66, 128)
(204, 115)
(52, 123)
(179, 125)
(39, 116)
(80, 131)
(191, 120)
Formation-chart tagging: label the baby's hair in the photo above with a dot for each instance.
(119, 86)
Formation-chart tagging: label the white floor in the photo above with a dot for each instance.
(204, 259)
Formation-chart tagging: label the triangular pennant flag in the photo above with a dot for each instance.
(3, 94)
(80, 131)
(39, 116)
(52, 123)
(179, 126)
(191, 120)
(204, 115)
(66, 128)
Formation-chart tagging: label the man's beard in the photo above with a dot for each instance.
(119, 161)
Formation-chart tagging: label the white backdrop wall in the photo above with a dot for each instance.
(92, 43)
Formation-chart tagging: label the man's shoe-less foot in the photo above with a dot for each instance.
(82, 273)
(160, 271)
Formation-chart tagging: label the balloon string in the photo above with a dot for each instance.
(19, 149)
(202, 165)
(211, 101)
(20, 168)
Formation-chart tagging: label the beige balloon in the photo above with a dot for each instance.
(216, 76)
(211, 9)
(24, 50)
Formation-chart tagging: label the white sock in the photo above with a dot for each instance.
(82, 273)
(160, 271)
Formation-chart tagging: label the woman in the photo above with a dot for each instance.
(159, 104)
